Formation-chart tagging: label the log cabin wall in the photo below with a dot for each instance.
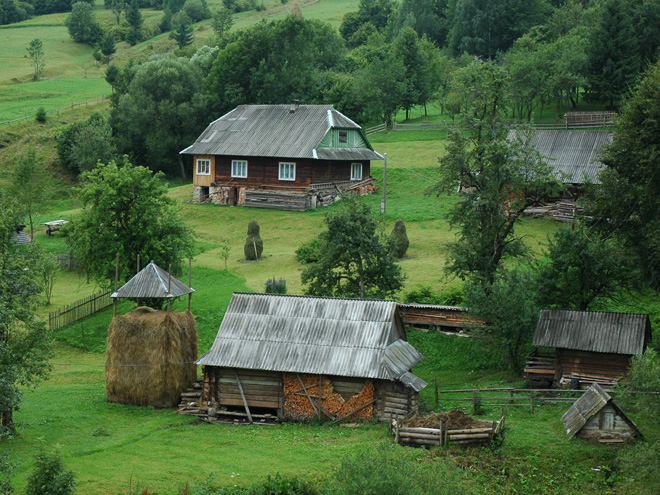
(607, 425)
(262, 389)
(337, 171)
(394, 398)
(586, 366)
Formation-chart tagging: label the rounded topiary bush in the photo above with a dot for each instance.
(254, 246)
(400, 237)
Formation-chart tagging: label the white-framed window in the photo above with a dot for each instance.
(287, 171)
(343, 137)
(356, 171)
(203, 166)
(239, 168)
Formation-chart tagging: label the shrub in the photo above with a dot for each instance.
(400, 237)
(254, 246)
(274, 286)
(40, 116)
(276, 485)
(308, 251)
(423, 294)
(196, 10)
(50, 477)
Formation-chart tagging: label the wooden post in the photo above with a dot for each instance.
(116, 283)
(441, 444)
(436, 392)
(82, 330)
(189, 281)
(138, 271)
(169, 288)
(474, 401)
(531, 402)
(306, 393)
(320, 391)
(382, 201)
(240, 388)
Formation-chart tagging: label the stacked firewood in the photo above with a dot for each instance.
(301, 400)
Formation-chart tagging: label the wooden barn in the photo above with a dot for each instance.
(596, 416)
(450, 319)
(590, 346)
(289, 157)
(296, 357)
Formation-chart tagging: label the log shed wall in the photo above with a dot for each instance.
(262, 389)
(608, 426)
(590, 366)
(394, 399)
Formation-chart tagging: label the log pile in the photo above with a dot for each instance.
(301, 399)
(453, 427)
(540, 371)
(561, 211)
(278, 200)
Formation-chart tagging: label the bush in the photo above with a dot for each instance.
(274, 286)
(50, 477)
(423, 294)
(196, 10)
(400, 237)
(40, 116)
(254, 246)
(308, 251)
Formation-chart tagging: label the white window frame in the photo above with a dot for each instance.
(356, 166)
(206, 164)
(287, 168)
(239, 169)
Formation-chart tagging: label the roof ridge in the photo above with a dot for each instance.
(303, 296)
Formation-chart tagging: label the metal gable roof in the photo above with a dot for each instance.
(275, 131)
(298, 334)
(152, 281)
(573, 153)
(616, 333)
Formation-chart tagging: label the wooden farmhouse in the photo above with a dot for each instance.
(590, 347)
(296, 358)
(596, 416)
(289, 157)
(573, 154)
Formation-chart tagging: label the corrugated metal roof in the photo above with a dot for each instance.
(298, 334)
(574, 153)
(275, 131)
(617, 333)
(430, 306)
(587, 406)
(152, 281)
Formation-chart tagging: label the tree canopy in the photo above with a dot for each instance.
(355, 258)
(126, 211)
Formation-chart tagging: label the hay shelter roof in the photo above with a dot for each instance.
(572, 153)
(587, 406)
(593, 331)
(315, 335)
(152, 281)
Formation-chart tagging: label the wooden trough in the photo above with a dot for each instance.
(426, 437)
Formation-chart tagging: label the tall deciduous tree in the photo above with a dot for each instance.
(29, 185)
(83, 144)
(160, 110)
(82, 25)
(500, 177)
(36, 52)
(355, 259)
(24, 340)
(126, 210)
(626, 203)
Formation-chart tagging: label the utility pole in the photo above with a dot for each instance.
(382, 201)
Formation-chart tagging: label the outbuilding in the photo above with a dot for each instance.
(591, 346)
(297, 357)
(596, 416)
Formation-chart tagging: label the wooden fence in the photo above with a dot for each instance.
(86, 102)
(514, 397)
(78, 310)
(377, 128)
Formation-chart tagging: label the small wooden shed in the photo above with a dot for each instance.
(297, 357)
(591, 346)
(595, 415)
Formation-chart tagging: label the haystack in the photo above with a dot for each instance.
(150, 357)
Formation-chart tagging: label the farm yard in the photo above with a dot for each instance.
(485, 428)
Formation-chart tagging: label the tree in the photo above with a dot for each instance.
(83, 144)
(183, 33)
(29, 186)
(135, 20)
(408, 51)
(614, 61)
(36, 52)
(254, 246)
(355, 259)
(196, 10)
(222, 22)
(373, 12)
(126, 210)
(108, 46)
(25, 342)
(499, 177)
(426, 17)
(161, 109)
(580, 269)
(117, 7)
(507, 314)
(81, 24)
(626, 203)
(50, 476)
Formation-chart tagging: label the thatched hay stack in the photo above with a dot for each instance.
(150, 362)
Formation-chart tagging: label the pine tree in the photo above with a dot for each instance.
(183, 34)
(134, 18)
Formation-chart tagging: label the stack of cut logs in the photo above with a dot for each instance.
(301, 400)
(562, 211)
(190, 400)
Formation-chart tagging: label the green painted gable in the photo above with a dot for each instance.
(354, 139)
